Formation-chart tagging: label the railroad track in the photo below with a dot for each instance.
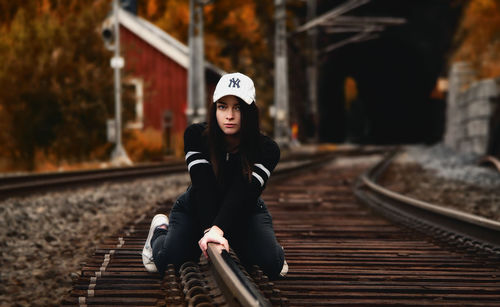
(490, 161)
(10, 185)
(339, 252)
(114, 275)
(342, 252)
(475, 233)
(28, 183)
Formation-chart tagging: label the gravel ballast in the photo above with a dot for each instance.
(441, 176)
(45, 237)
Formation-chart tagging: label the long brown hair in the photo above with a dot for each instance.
(249, 138)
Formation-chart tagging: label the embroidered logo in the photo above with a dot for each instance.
(234, 83)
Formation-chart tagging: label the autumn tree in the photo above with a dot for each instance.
(478, 37)
(56, 90)
(55, 80)
(237, 37)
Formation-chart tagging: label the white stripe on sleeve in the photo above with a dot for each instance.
(190, 153)
(196, 162)
(262, 167)
(258, 178)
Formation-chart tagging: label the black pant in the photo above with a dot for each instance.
(253, 240)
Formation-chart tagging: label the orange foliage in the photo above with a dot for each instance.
(229, 29)
(55, 88)
(350, 91)
(43, 7)
(244, 20)
(237, 37)
(144, 145)
(213, 46)
(175, 19)
(152, 8)
(479, 37)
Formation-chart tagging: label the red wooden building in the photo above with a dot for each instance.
(156, 66)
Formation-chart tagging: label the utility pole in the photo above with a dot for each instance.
(312, 70)
(281, 121)
(196, 71)
(119, 155)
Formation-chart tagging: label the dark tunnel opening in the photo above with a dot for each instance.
(394, 74)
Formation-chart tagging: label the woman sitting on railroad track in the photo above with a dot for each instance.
(229, 161)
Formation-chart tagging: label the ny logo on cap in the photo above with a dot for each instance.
(235, 83)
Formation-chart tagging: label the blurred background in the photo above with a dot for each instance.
(376, 72)
(102, 83)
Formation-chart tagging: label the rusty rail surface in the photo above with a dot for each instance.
(341, 252)
(490, 161)
(232, 281)
(470, 229)
(114, 275)
(10, 185)
(27, 183)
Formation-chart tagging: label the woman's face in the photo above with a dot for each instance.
(228, 114)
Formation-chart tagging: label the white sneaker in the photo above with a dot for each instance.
(284, 269)
(147, 251)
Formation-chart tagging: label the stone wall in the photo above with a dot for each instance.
(470, 105)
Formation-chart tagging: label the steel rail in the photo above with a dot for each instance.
(115, 274)
(10, 185)
(28, 183)
(9, 179)
(238, 290)
(490, 161)
(480, 232)
(341, 252)
(460, 215)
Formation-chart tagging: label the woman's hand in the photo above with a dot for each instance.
(215, 235)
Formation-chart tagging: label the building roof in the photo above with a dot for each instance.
(160, 40)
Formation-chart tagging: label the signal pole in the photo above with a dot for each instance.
(281, 116)
(312, 70)
(119, 155)
(196, 71)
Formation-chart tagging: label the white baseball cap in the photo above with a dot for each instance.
(236, 84)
